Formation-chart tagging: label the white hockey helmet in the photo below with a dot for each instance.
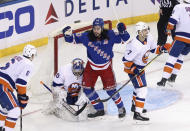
(141, 26)
(77, 67)
(188, 1)
(29, 50)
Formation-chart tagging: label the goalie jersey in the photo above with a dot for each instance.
(67, 80)
(138, 52)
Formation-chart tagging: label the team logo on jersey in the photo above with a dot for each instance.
(51, 16)
(74, 89)
(145, 57)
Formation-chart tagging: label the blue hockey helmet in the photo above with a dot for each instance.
(77, 67)
(98, 22)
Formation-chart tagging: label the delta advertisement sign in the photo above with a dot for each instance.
(36, 19)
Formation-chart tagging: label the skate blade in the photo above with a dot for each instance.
(139, 122)
(122, 119)
(161, 87)
(96, 118)
(170, 84)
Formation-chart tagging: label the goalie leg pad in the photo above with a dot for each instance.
(82, 99)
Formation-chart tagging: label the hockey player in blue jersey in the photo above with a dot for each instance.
(99, 43)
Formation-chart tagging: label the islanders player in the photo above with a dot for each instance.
(14, 77)
(135, 59)
(181, 43)
(99, 43)
(67, 85)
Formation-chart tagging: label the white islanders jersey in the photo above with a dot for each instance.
(18, 67)
(138, 52)
(67, 79)
(181, 18)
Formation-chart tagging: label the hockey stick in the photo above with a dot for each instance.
(104, 100)
(20, 119)
(68, 107)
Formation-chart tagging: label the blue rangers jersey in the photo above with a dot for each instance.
(99, 52)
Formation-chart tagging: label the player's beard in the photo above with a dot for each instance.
(97, 34)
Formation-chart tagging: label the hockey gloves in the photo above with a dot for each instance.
(131, 68)
(121, 28)
(23, 100)
(136, 71)
(67, 31)
(165, 48)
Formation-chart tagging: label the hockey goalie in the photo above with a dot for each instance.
(68, 97)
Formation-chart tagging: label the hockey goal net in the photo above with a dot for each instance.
(56, 54)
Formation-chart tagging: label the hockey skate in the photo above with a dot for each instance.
(133, 108)
(139, 119)
(122, 112)
(162, 82)
(172, 78)
(2, 129)
(96, 114)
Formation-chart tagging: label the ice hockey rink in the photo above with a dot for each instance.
(168, 107)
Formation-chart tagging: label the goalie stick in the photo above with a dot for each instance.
(104, 100)
(67, 106)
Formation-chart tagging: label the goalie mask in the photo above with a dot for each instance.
(77, 67)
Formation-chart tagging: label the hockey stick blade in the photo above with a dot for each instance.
(81, 109)
(104, 100)
(67, 106)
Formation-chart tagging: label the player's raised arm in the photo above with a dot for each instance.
(122, 34)
(71, 37)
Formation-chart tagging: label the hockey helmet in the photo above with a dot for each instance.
(98, 22)
(141, 26)
(29, 50)
(77, 67)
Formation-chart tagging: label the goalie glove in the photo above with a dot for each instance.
(67, 31)
(59, 93)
